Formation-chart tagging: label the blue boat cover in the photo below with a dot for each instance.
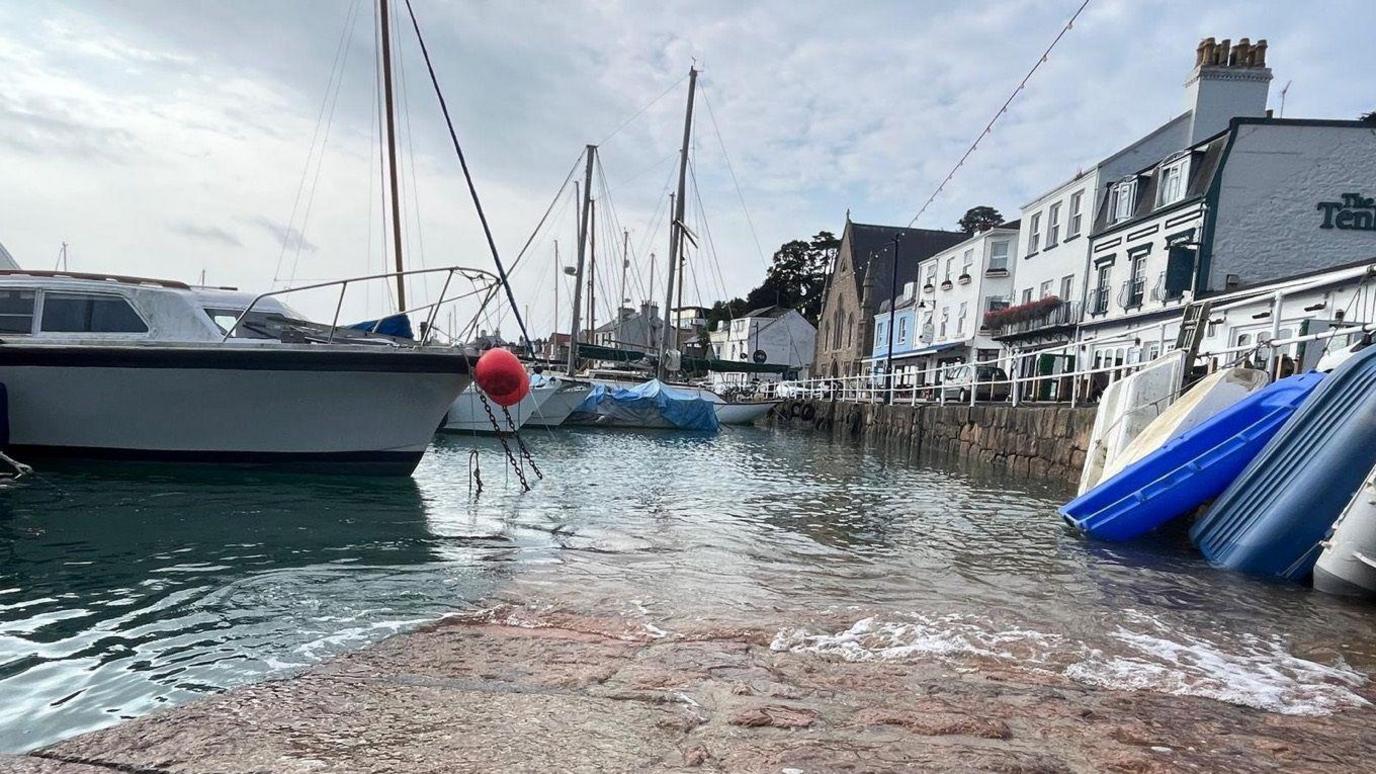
(398, 325)
(1271, 519)
(1189, 469)
(652, 404)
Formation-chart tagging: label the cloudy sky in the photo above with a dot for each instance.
(240, 138)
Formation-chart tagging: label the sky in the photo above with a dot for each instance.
(240, 139)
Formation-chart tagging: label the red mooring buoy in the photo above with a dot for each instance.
(502, 377)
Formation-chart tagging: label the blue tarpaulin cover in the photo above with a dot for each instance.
(398, 325)
(652, 404)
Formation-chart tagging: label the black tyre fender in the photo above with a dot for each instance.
(808, 412)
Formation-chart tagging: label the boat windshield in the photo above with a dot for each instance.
(257, 325)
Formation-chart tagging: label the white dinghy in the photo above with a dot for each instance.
(1347, 565)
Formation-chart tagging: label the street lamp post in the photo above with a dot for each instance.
(893, 302)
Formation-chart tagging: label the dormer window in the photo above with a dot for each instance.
(1121, 200)
(1170, 187)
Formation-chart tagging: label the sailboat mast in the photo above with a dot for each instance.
(592, 266)
(557, 271)
(591, 154)
(384, 13)
(625, 264)
(675, 224)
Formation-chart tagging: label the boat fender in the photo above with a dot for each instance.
(857, 420)
(808, 412)
(502, 377)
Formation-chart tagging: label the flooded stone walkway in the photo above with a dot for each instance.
(515, 689)
(760, 600)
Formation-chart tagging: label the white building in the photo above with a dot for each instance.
(771, 335)
(959, 286)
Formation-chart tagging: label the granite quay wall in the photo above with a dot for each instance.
(1039, 441)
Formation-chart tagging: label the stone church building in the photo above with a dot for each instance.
(861, 280)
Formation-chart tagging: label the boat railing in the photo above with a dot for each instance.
(1074, 386)
(483, 283)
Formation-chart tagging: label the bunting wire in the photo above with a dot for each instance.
(1004, 109)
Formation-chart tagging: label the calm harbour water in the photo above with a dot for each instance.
(125, 590)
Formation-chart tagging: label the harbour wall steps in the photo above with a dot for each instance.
(1034, 441)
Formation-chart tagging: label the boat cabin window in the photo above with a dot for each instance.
(253, 326)
(82, 313)
(16, 311)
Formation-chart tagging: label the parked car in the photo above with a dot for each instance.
(988, 381)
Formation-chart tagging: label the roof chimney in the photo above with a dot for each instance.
(1228, 80)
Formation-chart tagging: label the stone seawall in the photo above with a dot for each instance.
(1034, 441)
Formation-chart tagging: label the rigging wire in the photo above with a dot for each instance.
(468, 177)
(327, 109)
(642, 109)
(567, 178)
(1003, 109)
(711, 115)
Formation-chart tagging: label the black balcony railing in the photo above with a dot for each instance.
(1160, 293)
(1098, 300)
(1133, 293)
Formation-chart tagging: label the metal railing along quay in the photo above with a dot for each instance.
(931, 385)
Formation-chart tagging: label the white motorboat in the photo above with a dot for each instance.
(113, 367)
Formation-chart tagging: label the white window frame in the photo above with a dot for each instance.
(968, 260)
(1124, 193)
(1177, 170)
(1053, 225)
(1076, 221)
(903, 329)
(998, 262)
(1045, 288)
(1034, 236)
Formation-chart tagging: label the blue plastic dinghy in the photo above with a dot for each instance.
(1190, 469)
(1271, 519)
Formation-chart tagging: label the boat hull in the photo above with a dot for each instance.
(319, 408)
(1347, 565)
(468, 415)
(1191, 468)
(560, 405)
(744, 413)
(1272, 520)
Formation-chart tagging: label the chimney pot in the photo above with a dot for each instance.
(1224, 52)
(1243, 52)
(1259, 53)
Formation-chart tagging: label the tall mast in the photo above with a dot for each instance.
(649, 327)
(675, 238)
(591, 153)
(384, 12)
(558, 271)
(625, 264)
(592, 265)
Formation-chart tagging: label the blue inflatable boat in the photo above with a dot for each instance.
(1271, 519)
(1190, 469)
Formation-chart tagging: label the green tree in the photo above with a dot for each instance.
(797, 277)
(981, 218)
(725, 310)
(1368, 118)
